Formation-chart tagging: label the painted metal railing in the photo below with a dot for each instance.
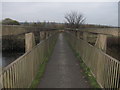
(21, 72)
(105, 68)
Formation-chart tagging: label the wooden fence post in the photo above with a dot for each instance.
(29, 41)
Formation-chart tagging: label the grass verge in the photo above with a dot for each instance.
(41, 71)
(39, 75)
(87, 73)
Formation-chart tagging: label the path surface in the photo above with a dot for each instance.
(63, 70)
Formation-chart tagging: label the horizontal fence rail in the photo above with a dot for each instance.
(22, 71)
(105, 69)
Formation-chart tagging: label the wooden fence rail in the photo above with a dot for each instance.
(22, 71)
(105, 69)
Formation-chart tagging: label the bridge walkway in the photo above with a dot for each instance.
(63, 70)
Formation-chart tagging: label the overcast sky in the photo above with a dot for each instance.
(105, 13)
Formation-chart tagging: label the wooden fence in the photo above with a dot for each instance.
(22, 71)
(105, 69)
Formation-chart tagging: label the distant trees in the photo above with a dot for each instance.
(9, 21)
(74, 19)
(45, 24)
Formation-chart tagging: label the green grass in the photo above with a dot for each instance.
(86, 71)
(41, 71)
(39, 75)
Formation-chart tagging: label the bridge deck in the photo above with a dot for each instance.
(63, 70)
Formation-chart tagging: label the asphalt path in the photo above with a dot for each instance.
(63, 69)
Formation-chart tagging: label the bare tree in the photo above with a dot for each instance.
(74, 19)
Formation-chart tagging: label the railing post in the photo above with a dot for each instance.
(101, 42)
(50, 33)
(42, 36)
(1, 78)
(46, 35)
(85, 36)
(29, 41)
(77, 35)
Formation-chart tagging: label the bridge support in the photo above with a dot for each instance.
(46, 35)
(85, 36)
(78, 35)
(42, 35)
(101, 42)
(29, 41)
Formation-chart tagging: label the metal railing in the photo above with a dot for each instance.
(105, 68)
(21, 72)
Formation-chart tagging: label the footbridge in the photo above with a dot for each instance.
(63, 69)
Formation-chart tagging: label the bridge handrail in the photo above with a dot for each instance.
(25, 54)
(21, 72)
(105, 68)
